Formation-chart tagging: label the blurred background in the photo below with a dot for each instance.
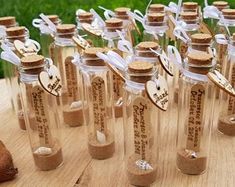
(26, 10)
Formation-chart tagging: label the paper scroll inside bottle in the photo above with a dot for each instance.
(141, 126)
(194, 124)
(71, 78)
(99, 108)
(40, 108)
(231, 104)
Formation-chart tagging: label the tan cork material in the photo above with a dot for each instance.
(155, 17)
(220, 4)
(53, 18)
(122, 11)
(228, 13)
(114, 22)
(65, 28)
(16, 31)
(93, 60)
(199, 58)
(7, 21)
(140, 67)
(147, 46)
(156, 8)
(189, 17)
(190, 5)
(32, 61)
(201, 38)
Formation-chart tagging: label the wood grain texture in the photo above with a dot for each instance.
(80, 170)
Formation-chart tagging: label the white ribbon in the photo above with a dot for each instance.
(147, 8)
(44, 24)
(221, 39)
(30, 41)
(172, 7)
(175, 57)
(211, 12)
(80, 11)
(107, 13)
(98, 21)
(2, 31)
(178, 9)
(9, 56)
(180, 33)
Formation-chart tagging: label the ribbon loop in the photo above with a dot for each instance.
(107, 13)
(221, 39)
(98, 20)
(9, 56)
(180, 33)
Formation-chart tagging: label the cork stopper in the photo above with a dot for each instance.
(16, 31)
(147, 46)
(85, 17)
(53, 18)
(221, 4)
(122, 13)
(33, 64)
(91, 58)
(199, 58)
(155, 17)
(114, 24)
(228, 13)
(189, 17)
(8, 21)
(190, 5)
(156, 8)
(201, 38)
(140, 67)
(66, 30)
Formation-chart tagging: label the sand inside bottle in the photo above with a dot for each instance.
(101, 150)
(226, 125)
(48, 158)
(138, 176)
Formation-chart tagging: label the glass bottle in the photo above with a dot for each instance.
(22, 34)
(6, 22)
(40, 104)
(195, 118)
(132, 30)
(212, 22)
(156, 28)
(226, 121)
(141, 128)
(47, 35)
(98, 104)
(112, 25)
(87, 18)
(65, 48)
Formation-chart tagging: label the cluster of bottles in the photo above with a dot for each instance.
(98, 71)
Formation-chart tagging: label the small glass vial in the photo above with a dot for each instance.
(7, 22)
(156, 28)
(42, 106)
(191, 27)
(112, 25)
(141, 128)
(65, 48)
(195, 118)
(98, 104)
(87, 18)
(12, 34)
(132, 32)
(226, 121)
(212, 22)
(47, 36)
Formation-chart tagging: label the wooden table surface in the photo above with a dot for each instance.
(80, 170)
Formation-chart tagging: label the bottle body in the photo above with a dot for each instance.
(141, 135)
(46, 41)
(226, 102)
(42, 122)
(98, 110)
(194, 124)
(71, 104)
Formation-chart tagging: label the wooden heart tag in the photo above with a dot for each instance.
(25, 50)
(166, 64)
(81, 42)
(157, 92)
(219, 80)
(50, 80)
(92, 30)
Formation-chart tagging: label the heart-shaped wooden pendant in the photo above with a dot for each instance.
(50, 80)
(219, 80)
(157, 92)
(166, 64)
(81, 42)
(92, 30)
(25, 50)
